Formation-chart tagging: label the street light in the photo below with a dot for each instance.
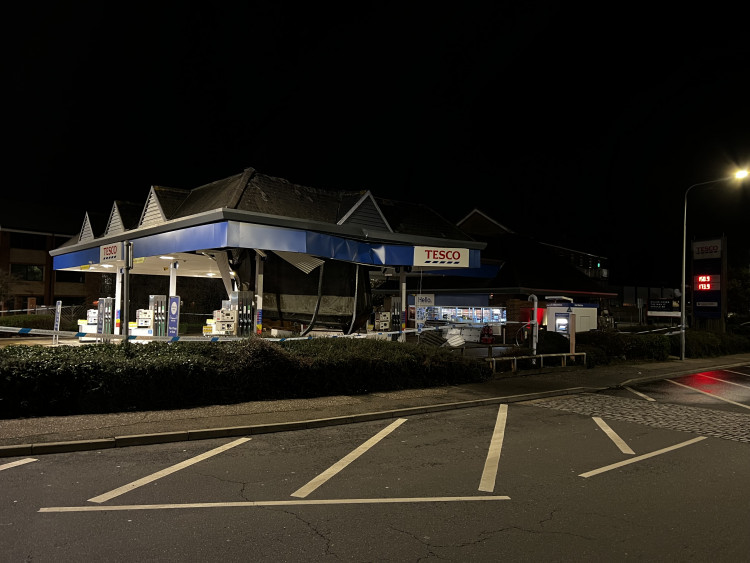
(739, 175)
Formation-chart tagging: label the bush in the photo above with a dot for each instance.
(352, 366)
(734, 343)
(612, 342)
(705, 344)
(552, 343)
(98, 378)
(739, 324)
(701, 344)
(595, 356)
(647, 347)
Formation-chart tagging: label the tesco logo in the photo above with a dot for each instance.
(431, 256)
(443, 254)
(109, 252)
(707, 249)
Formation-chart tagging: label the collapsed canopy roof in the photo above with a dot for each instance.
(255, 211)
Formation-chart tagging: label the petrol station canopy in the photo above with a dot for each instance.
(198, 229)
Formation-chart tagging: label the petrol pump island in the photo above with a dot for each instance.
(161, 319)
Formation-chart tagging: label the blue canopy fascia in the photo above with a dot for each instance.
(235, 234)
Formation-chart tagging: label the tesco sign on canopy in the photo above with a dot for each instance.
(110, 252)
(443, 257)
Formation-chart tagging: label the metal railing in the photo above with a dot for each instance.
(514, 359)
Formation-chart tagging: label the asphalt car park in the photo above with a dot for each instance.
(464, 454)
(464, 483)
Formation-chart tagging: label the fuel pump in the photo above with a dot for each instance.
(144, 319)
(158, 304)
(151, 321)
(242, 302)
(235, 317)
(225, 322)
(396, 315)
(105, 316)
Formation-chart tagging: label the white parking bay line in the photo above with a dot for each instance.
(724, 381)
(619, 442)
(640, 458)
(639, 394)
(487, 483)
(305, 490)
(164, 472)
(737, 372)
(710, 395)
(17, 463)
(267, 503)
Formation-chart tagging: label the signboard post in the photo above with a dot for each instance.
(709, 293)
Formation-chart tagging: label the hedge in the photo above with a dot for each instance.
(99, 378)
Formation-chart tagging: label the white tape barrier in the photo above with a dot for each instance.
(209, 338)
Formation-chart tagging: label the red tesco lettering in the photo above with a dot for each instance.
(443, 254)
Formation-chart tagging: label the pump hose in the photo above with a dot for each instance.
(317, 305)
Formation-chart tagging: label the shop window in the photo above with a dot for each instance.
(27, 272)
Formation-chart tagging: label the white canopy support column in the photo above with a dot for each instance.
(127, 248)
(258, 312)
(118, 299)
(173, 277)
(404, 304)
(534, 325)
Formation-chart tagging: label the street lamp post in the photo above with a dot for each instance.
(740, 174)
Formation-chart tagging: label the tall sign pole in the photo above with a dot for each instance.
(128, 256)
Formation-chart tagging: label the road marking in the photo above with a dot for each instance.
(619, 442)
(724, 381)
(164, 472)
(267, 503)
(710, 394)
(737, 372)
(639, 394)
(17, 463)
(640, 458)
(487, 483)
(305, 490)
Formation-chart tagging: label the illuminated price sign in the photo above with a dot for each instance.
(707, 282)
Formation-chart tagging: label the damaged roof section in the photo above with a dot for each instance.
(255, 210)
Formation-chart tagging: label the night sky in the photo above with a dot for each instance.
(582, 128)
